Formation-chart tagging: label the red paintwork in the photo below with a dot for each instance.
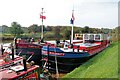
(10, 61)
(96, 49)
(28, 45)
(93, 49)
(51, 45)
(21, 41)
(2, 62)
(54, 53)
(12, 75)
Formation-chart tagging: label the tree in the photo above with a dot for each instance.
(49, 28)
(57, 32)
(16, 29)
(33, 28)
(77, 30)
(4, 29)
(66, 32)
(86, 29)
(106, 30)
(25, 29)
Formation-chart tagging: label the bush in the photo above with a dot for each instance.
(49, 36)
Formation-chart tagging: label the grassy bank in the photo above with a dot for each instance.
(103, 65)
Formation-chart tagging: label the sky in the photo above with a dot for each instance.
(92, 13)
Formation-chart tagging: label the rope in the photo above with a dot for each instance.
(57, 73)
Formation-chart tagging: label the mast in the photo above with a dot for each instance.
(42, 17)
(42, 24)
(72, 22)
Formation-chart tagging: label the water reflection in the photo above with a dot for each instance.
(6, 41)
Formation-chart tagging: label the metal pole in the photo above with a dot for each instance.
(57, 73)
(72, 29)
(42, 24)
(72, 35)
(15, 45)
(48, 56)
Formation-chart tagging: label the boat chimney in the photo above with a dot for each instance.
(12, 53)
(24, 63)
(15, 45)
(2, 50)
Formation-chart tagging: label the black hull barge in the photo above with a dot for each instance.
(69, 57)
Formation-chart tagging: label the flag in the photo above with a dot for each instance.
(72, 19)
(42, 17)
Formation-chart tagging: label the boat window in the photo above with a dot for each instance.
(85, 36)
(97, 37)
(66, 45)
(81, 37)
(91, 37)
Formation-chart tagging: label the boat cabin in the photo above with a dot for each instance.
(91, 37)
(14, 67)
(19, 71)
(91, 42)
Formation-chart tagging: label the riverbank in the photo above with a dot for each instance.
(103, 65)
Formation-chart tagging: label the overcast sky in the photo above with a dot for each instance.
(92, 13)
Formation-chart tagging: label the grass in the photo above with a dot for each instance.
(103, 65)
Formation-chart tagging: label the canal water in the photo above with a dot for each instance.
(5, 41)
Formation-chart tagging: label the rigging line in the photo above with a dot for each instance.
(57, 73)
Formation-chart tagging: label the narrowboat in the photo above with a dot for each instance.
(68, 56)
(30, 50)
(14, 67)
